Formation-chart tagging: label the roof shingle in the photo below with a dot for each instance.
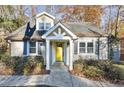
(80, 29)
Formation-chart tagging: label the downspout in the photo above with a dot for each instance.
(98, 47)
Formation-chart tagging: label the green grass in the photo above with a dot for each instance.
(120, 68)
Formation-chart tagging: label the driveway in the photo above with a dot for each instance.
(59, 77)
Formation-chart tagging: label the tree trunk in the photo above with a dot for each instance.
(117, 21)
(33, 10)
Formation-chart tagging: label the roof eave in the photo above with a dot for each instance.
(40, 14)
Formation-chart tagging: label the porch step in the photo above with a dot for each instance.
(58, 64)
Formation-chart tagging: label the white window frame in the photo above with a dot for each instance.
(44, 25)
(33, 54)
(82, 47)
(39, 25)
(90, 47)
(86, 43)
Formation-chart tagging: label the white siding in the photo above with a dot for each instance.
(42, 49)
(53, 52)
(17, 48)
(75, 47)
(103, 54)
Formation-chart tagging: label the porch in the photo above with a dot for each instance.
(59, 51)
(59, 46)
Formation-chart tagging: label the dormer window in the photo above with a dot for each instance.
(44, 21)
(48, 25)
(41, 26)
(44, 26)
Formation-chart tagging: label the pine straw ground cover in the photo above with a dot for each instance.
(21, 65)
(99, 70)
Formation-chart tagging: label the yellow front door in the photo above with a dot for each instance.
(59, 53)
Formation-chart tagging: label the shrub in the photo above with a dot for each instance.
(33, 65)
(96, 69)
(9, 63)
(26, 68)
(8, 71)
(38, 68)
(93, 72)
(91, 62)
(79, 65)
(22, 65)
(110, 72)
(39, 59)
(7, 60)
(105, 65)
(4, 70)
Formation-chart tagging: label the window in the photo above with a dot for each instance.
(41, 25)
(89, 47)
(44, 26)
(86, 47)
(32, 48)
(82, 47)
(48, 25)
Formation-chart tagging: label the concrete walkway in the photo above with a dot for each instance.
(59, 77)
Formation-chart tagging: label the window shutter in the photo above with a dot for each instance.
(25, 48)
(75, 47)
(97, 44)
(96, 47)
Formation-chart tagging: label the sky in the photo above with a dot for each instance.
(39, 8)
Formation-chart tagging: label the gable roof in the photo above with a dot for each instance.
(45, 13)
(25, 33)
(61, 25)
(75, 29)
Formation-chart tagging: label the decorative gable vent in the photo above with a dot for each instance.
(59, 33)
